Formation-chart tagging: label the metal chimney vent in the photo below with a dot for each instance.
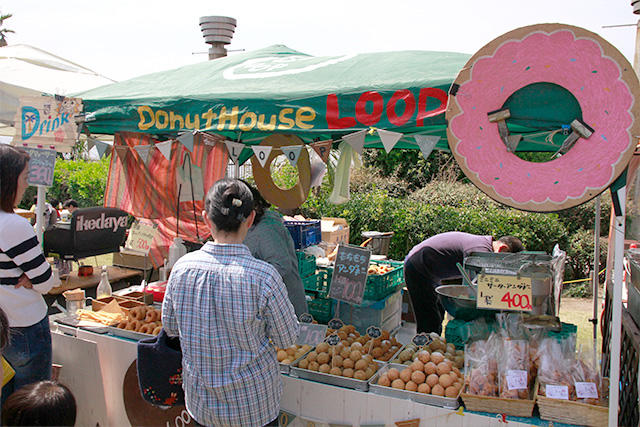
(218, 32)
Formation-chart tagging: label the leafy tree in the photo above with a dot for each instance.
(4, 31)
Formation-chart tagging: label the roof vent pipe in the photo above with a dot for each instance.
(218, 32)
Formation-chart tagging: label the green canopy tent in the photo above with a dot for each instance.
(279, 90)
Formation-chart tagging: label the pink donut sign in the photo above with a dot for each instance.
(592, 70)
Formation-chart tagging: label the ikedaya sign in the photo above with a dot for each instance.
(98, 228)
(47, 122)
(104, 222)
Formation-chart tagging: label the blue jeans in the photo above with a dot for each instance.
(29, 354)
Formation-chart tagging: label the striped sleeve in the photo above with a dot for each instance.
(23, 249)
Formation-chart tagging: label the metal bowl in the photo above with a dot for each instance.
(460, 302)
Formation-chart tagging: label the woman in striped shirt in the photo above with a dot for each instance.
(25, 276)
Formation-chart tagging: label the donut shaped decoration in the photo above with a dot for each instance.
(290, 198)
(599, 77)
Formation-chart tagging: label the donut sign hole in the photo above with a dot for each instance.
(283, 174)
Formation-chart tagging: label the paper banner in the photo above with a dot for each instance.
(356, 140)
(235, 149)
(285, 418)
(122, 151)
(292, 152)
(165, 148)
(143, 151)
(426, 143)
(102, 147)
(262, 153)
(186, 139)
(323, 148)
(389, 139)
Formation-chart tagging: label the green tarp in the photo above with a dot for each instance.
(249, 95)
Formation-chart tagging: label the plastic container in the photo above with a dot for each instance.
(321, 309)
(317, 285)
(176, 251)
(157, 289)
(304, 233)
(306, 264)
(379, 286)
(386, 314)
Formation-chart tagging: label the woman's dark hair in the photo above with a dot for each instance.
(70, 202)
(4, 330)
(13, 160)
(260, 205)
(228, 203)
(45, 403)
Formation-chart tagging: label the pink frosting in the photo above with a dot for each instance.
(578, 66)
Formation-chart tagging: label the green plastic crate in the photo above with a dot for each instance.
(306, 264)
(316, 284)
(321, 309)
(379, 286)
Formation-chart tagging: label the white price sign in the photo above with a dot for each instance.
(517, 380)
(586, 390)
(557, 392)
(311, 333)
(141, 235)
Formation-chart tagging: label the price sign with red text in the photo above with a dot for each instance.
(350, 274)
(141, 235)
(41, 166)
(503, 292)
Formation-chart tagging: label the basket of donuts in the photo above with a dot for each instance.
(337, 363)
(142, 322)
(382, 348)
(431, 379)
(498, 377)
(569, 387)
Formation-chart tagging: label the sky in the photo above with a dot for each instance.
(124, 39)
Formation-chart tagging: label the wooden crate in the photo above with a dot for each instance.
(569, 412)
(499, 405)
(124, 303)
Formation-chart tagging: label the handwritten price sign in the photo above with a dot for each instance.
(350, 274)
(141, 235)
(311, 333)
(41, 166)
(502, 292)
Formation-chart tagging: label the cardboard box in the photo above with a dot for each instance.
(334, 230)
(129, 259)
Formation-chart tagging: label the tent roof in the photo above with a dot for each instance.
(28, 71)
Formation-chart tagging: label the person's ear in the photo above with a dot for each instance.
(502, 247)
(250, 218)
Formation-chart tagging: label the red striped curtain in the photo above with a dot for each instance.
(150, 190)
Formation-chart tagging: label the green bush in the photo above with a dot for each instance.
(81, 180)
(583, 217)
(580, 261)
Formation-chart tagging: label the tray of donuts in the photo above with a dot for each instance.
(142, 322)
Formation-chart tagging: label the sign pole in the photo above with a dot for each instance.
(42, 192)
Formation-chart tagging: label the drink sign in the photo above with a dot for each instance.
(42, 163)
(374, 332)
(333, 339)
(421, 340)
(335, 324)
(306, 318)
(311, 333)
(503, 292)
(350, 274)
(141, 235)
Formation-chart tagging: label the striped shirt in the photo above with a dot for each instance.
(21, 253)
(227, 306)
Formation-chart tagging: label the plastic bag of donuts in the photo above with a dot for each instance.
(144, 319)
(481, 366)
(555, 359)
(514, 372)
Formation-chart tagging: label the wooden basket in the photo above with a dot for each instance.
(499, 405)
(570, 412)
(124, 303)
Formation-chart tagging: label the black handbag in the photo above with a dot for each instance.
(160, 370)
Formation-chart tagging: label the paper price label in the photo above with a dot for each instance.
(336, 324)
(311, 333)
(557, 392)
(306, 318)
(586, 390)
(374, 331)
(501, 292)
(421, 339)
(141, 235)
(333, 339)
(517, 380)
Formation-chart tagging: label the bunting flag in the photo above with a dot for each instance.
(102, 147)
(323, 148)
(90, 143)
(235, 149)
(426, 143)
(285, 418)
(409, 423)
(165, 149)
(121, 152)
(356, 140)
(186, 139)
(292, 152)
(372, 425)
(143, 151)
(389, 139)
(262, 153)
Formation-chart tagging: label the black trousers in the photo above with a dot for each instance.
(426, 304)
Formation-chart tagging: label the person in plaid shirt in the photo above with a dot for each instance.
(229, 310)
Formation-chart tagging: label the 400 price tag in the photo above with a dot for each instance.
(502, 292)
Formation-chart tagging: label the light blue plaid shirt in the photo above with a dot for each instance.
(226, 306)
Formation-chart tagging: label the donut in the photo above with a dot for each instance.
(599, 78)
(123, 324)
(146, 329)
(157, 330)
(133, 325)
(138, 313)
(152, 315)
(293, 197)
